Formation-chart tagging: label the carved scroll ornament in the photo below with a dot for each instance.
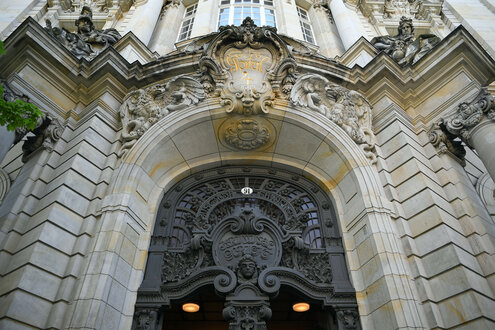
(470, 114)
(348, 109)
(142, 108)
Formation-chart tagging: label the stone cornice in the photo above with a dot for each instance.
(407, 86)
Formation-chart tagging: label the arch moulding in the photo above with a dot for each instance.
(300, 141)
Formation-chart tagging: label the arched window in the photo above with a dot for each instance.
(233, 12)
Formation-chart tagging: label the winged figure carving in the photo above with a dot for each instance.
(348, 109)
(144, 107)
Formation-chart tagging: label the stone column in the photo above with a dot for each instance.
(325, 31)
(474, 124)
(167, 28)
(347, 22)
(144, 19)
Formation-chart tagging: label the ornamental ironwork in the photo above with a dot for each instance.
(209, 232)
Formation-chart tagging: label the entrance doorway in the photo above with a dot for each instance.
(246, 243)
(209, 316)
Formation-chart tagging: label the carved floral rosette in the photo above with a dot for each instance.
(143, 108)
(348, 109)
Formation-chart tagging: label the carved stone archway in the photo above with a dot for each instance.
(247, 231)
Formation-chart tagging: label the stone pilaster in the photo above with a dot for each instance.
(167, 28)
(144, 19)
(325, 31)
(474, 124)
(347, 22)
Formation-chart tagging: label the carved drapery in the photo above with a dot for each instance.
(247, 243)
(348, 109)
(404, 47)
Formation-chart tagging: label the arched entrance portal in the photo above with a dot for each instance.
(258, 238)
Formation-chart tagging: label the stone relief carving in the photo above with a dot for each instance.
(102, 6)
(142, 108)
(470, 114)
(146, 318)
(348, 319)
(348, 109)
(445, 142)
(398, 8)
(87, 42)
(404, 47)
(247, 134)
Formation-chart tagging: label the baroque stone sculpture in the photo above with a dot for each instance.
(87, 42)
(404, 47)
(142, 108)
(348, 109)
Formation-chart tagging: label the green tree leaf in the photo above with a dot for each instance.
(18, 113)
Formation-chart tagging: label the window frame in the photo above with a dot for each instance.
(189, 17)
(230, 7)
(305, 20)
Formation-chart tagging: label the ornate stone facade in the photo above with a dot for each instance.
(244, 169)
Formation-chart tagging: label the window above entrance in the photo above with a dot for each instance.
(233, 12)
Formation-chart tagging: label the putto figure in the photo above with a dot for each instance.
(404, 48)
(87, 42)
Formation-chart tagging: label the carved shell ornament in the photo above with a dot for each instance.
(142, 108)
(348, 109)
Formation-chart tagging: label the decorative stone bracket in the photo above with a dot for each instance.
(445, 142)
(46, 133)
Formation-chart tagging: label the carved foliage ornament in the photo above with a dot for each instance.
(470, 114)
(142, 108)
(88, 41)
(348, 109)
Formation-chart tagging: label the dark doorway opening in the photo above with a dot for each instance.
(209, 317)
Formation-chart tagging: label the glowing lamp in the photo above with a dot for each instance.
(300, 307)
(190, 307)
